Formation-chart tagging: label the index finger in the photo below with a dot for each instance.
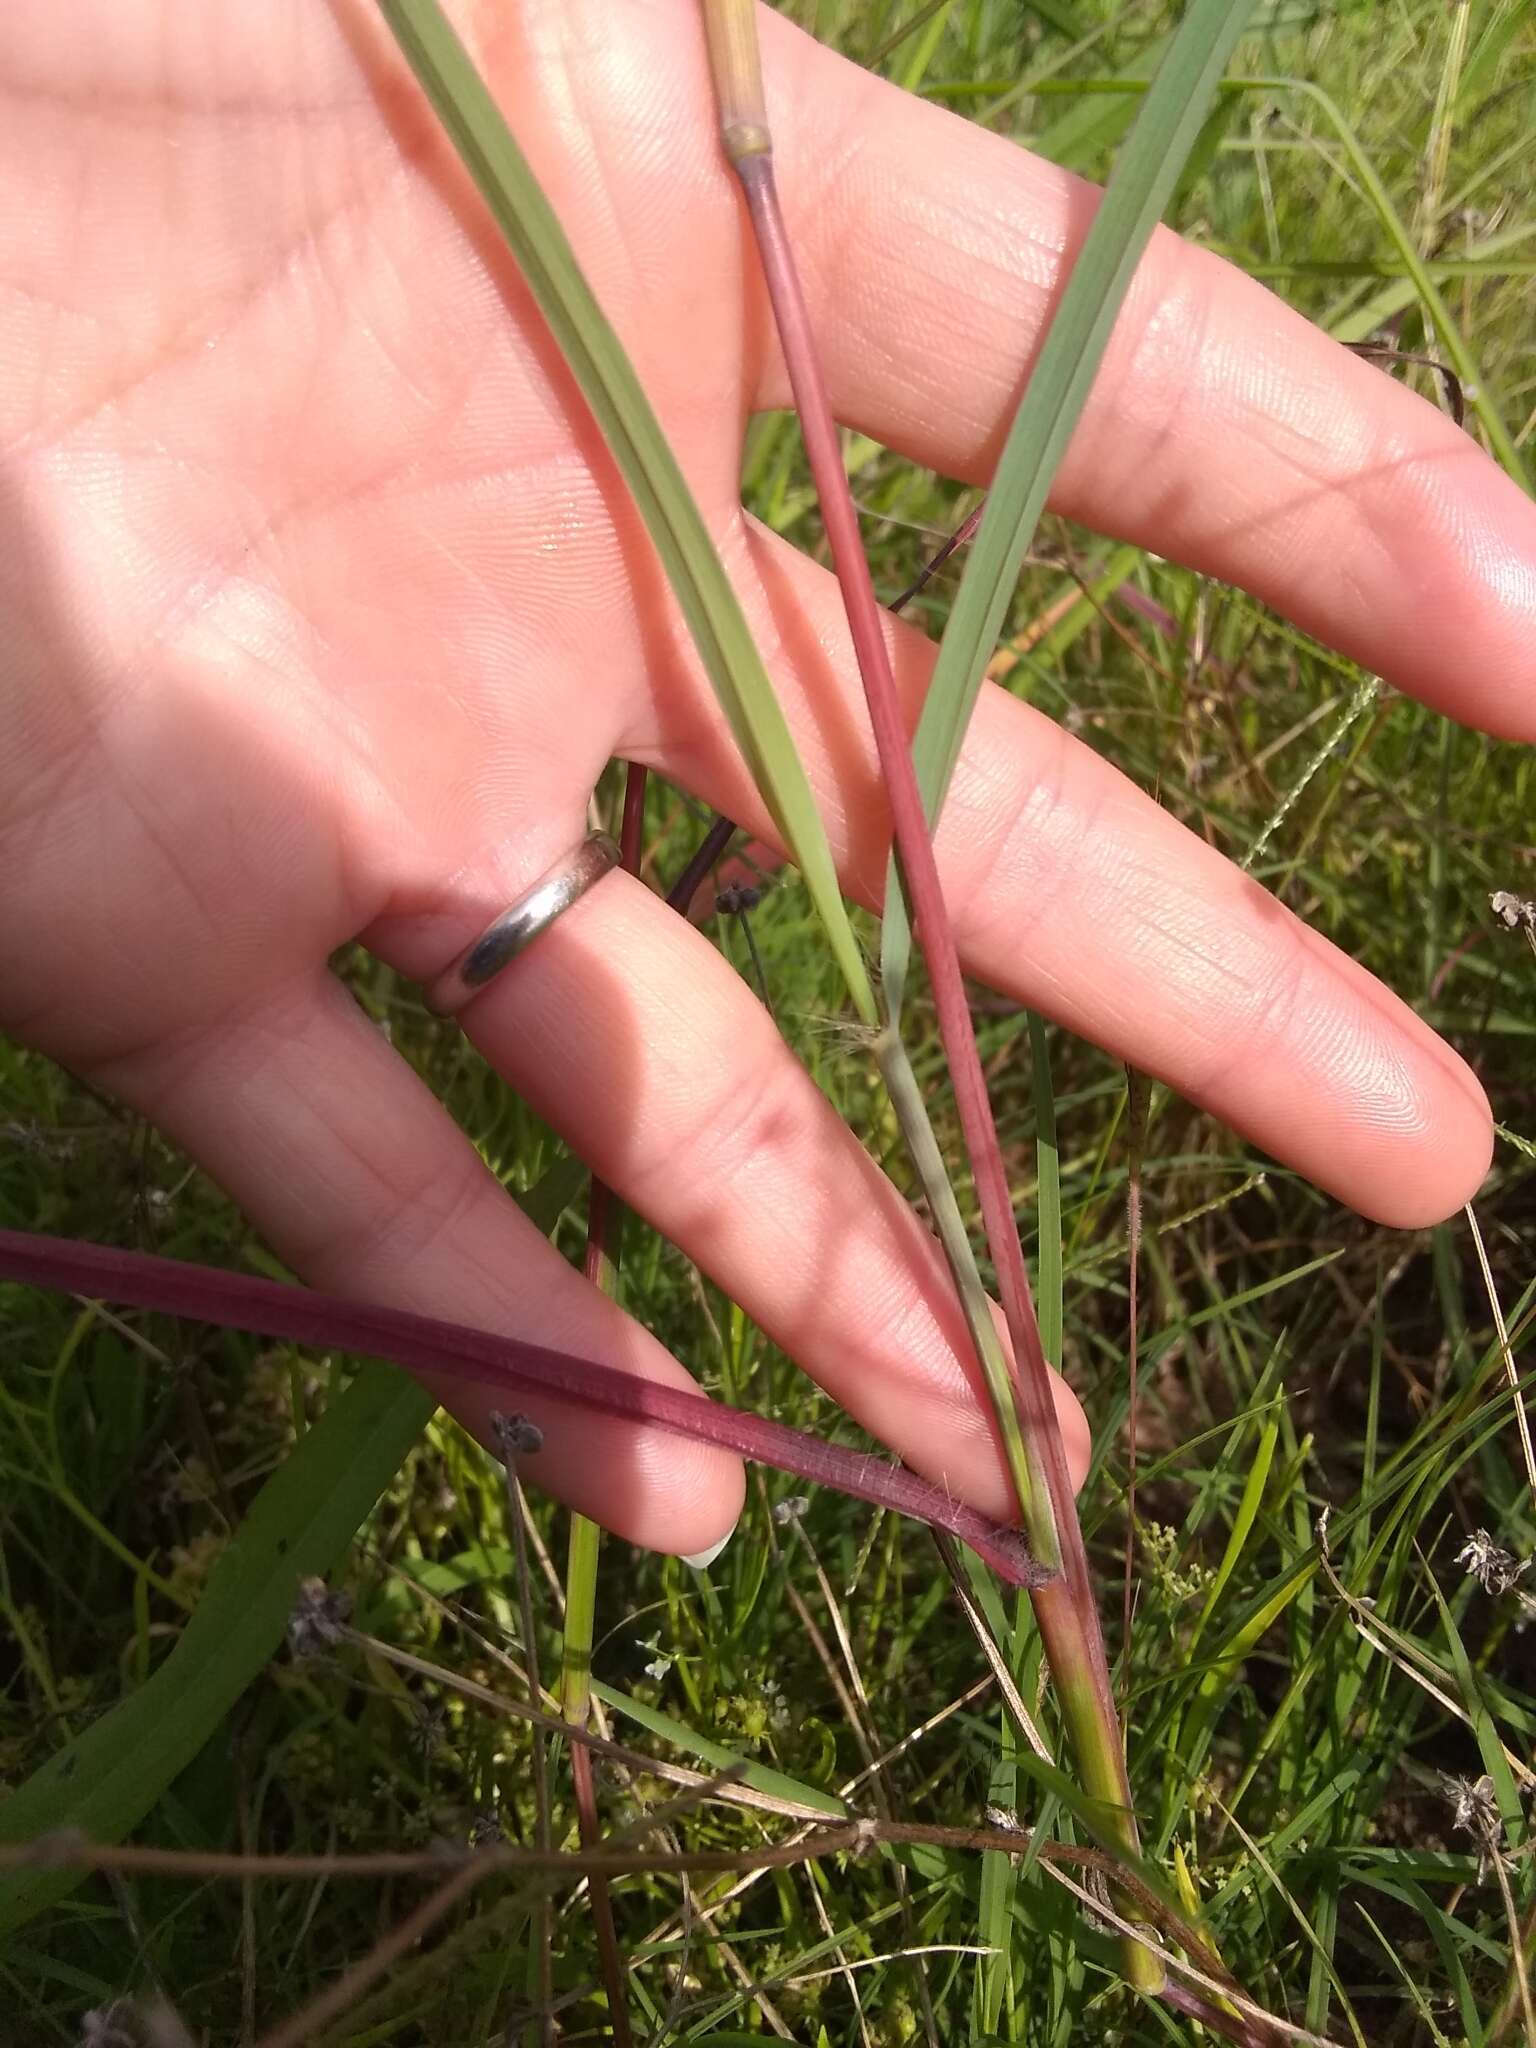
(1225, 430)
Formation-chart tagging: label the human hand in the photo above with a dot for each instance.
(325, 608)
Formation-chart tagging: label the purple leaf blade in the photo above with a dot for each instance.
(453, 1351)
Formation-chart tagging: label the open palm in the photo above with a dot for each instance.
(324, 609)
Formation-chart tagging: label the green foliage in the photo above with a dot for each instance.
(1144, 178)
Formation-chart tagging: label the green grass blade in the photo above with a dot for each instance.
(554, 1192)
(1424, 276)
(900, 37)
(1443, 1930)
(105, 1781)
(1322, 1958)
(1144, 177)
(1058, 16)
(999, 1881)
(1046, 654)
(608, 382)
(580, 1617)
(1491, 1749)
(1096, 118)
(1457, 349)
(301, 1522)
(705, 1750)
(1420, 2003)
(1242, 1525)
(915, 70)
(1503, 24)
(1048, 1277)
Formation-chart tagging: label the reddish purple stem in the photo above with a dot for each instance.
(963, 533)
(711, 849)
(1064, 1603)
(914, 844)
(451, 1350)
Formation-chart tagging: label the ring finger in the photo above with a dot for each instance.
(627, 1031)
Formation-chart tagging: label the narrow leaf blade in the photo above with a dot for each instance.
(105, 1781)
(1144, 178)
(596, 358)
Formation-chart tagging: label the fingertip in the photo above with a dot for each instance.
(660, 1492)
(701, 1560)
(1445, 1168)
(707, 1525)
(664, 1492)
(1396, 1122)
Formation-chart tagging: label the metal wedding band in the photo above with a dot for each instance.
(522, 922)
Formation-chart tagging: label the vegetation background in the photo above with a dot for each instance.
(1305, 1742)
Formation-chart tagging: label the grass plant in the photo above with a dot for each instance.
(1327, 1728)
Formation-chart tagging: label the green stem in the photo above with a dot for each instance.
(580, 1613)
(922, 1143)
(605, 1222)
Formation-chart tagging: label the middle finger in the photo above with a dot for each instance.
(638, 1042)
(1074, 891)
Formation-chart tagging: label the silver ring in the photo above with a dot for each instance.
(522, 922)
